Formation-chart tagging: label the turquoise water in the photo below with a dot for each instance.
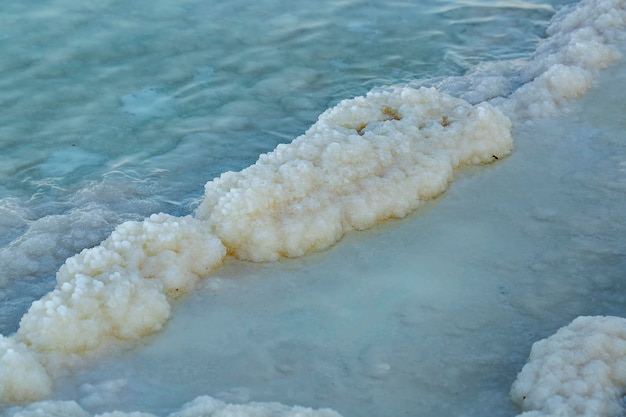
(102, 89)
(116, 110)
(119, 110)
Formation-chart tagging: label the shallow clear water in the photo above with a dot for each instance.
(106, 87)
(118, 110)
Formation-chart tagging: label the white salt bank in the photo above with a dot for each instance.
(120, 289)
(366, 160)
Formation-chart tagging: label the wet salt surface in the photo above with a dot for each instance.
(431, 315)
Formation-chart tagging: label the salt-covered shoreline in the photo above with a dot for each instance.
(27, 350)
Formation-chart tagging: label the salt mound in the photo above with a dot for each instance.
(22, 377)
(581, 42)
(119, 289)
(366, 160)
(579, 371)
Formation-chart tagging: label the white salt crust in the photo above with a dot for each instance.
(119, 289)
(204, 406)
(581, 42)
(366, 160)
(22, 377)
(578, 372)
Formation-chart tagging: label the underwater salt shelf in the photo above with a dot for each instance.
(434, 314)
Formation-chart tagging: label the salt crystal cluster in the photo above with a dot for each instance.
(364, 161)
(581, 42)
(119, 289)
(22, 377)
(579, 371)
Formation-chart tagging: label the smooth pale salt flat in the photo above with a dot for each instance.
(431, 315)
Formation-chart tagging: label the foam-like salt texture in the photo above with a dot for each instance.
(580, 43)
(366, 160)
(115, 291)
(203, 406)
(579, 371)
(22, 377)
(119, 289)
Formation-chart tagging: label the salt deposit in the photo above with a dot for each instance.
(119, 289)
(200, 407)
(366, 160)
(581, 41)
(579, 371)
(22, 377)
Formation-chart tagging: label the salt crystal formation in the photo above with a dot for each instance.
(366, 160)
(579, 371)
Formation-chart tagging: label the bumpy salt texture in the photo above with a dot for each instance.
(579, 371)
(366, 160)
(22, 377)
(581, 42)
(119, 289)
